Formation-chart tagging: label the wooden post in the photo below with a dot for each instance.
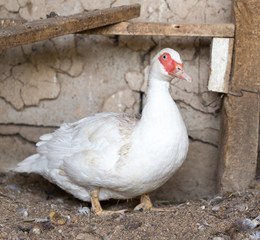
(240, 125)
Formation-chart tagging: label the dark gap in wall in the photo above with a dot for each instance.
(115, 38)
(258, 157)
(141, 102)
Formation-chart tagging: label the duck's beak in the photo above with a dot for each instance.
(183, 75)
(179, 73)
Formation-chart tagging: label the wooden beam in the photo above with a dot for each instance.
(166, 29)
(53, 27)
(10, 22)
(240, 114)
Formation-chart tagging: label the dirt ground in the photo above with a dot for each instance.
(32, 208)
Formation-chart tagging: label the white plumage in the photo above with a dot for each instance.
(117, 155)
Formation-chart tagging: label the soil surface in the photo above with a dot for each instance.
(33, 208)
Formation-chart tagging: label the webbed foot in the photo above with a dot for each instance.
(97, 209)
(146, 205)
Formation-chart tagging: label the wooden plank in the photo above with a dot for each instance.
(220, 64)
(58, 26)
(247, 46)
(166, 29)
(10, 22)
(158, 29)
(240, 113)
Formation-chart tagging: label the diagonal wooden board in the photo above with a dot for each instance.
(8, 22)
(57, 26)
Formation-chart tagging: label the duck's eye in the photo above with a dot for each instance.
(178, 68)
(164, 57)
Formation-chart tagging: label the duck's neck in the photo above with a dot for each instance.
(157, 87)
(161, 123)
(159, 100)
(160, 112)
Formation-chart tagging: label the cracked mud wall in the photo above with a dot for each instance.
(67, 78)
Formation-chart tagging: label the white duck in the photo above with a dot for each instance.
(118, 156)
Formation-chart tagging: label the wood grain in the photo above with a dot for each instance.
(246, 75)
(239, 142)
(57, 26)
(166, 29)
(220, 64)
(4, 23)
(240, 113)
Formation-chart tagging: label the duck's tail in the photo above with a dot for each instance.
(32, 164)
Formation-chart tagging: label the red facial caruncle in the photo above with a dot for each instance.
(169, 64)
(172, 67)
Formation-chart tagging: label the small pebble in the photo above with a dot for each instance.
(13, 187)
(23, 212)
(60, 200)
(215, 208)
(35, 230)
(206, 224)
(89, 236)
(201, 227)
(215, 200)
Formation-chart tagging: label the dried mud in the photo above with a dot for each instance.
(32, 208)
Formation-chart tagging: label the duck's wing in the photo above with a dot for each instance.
(87, 151)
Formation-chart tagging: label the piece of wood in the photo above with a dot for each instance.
(220, 64)
(239, 142)
(240, 113)
(10, 22)
(57, 26)
(153, 29)
(166, 29)
(247, 46)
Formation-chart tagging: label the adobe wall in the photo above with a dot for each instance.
(67, 78)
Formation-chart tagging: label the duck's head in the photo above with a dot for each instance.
(167, 64)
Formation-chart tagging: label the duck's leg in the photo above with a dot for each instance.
(96, 206)
(146, 205)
